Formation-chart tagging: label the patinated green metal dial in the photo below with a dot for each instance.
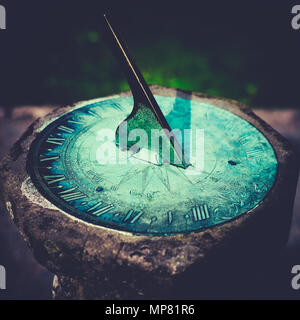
(78, 171)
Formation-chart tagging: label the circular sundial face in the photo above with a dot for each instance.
(83, 173)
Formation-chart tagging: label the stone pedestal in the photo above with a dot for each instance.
(93, 262)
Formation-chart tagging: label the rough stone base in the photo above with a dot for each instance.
(98, 263)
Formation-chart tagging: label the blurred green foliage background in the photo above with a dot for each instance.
(246, 50)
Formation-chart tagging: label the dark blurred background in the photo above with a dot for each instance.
(53, 53)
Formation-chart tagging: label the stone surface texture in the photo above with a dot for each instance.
(97, 263)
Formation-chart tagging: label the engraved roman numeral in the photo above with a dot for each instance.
(254, 153)
(93, 113)
(98, 209)
(66, 129)
(132, 216)
(200, 213)
(75, 121)
(54, 178)
(58, 141)
(244, 139)
(71, 194)
(114, 188)
(45, 158)
(117, 106)
(229, 126)
(170, 217)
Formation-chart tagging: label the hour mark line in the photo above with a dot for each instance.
(54, 178)
(93, 113)
(130, 218)
(103, 210)
(253, 153)
(95, 206)
(44, 159)
(99, 209)
(200, 213)
(244, 139)
(66, 129)
(76, 122)
(170, 217)
(72, 194)
(58, 141)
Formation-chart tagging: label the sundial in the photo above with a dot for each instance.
(67, 166)
(77, 164)
(145, 184)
